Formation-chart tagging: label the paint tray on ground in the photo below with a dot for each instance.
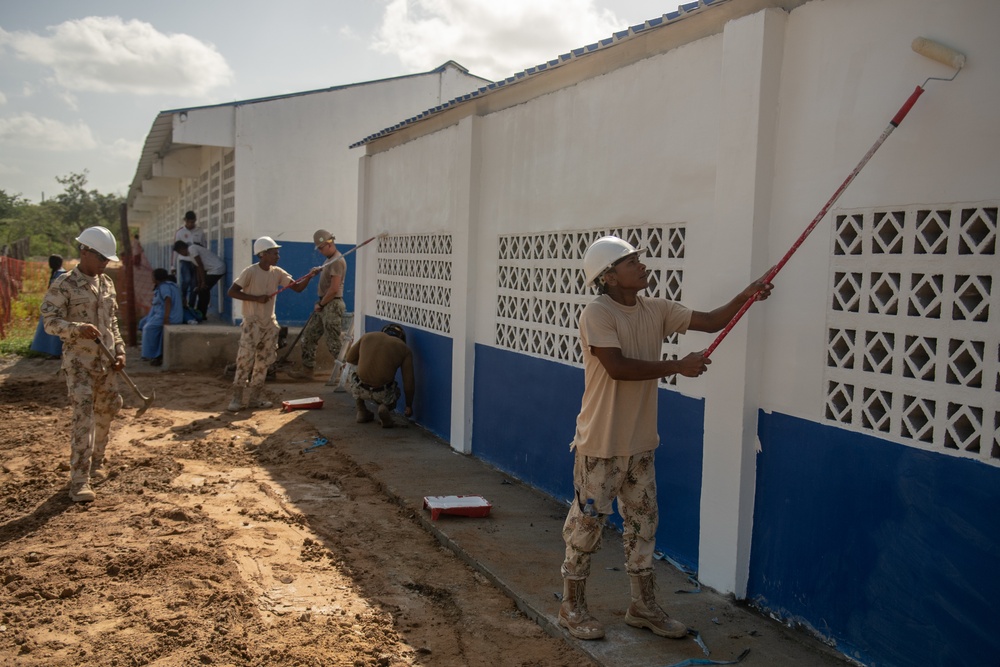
(474, 506)
(312, 403)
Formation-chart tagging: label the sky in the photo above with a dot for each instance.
(81, 81)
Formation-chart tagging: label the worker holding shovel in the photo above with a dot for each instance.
(622, 333)
(82, 309)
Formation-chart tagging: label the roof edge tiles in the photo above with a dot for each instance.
(683, 11)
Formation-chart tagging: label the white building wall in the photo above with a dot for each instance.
(742, 136)
(847, 69)
(632, 147)
(295, 172)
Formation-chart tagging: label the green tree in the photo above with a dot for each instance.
(82, 208)
(53, 224)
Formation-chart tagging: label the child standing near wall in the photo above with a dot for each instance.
(256, 287)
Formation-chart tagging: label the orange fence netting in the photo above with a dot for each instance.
(19, 277)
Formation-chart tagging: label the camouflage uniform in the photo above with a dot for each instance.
(72, 300)
(632, 479)
(387, 395)
(616, 437)
(258, 350)
(258, 334)
(328, 322)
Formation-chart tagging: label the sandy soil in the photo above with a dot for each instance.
(216, 541)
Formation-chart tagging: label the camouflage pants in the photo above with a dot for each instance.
(387, 395)
(328, 323)
(258, 350)
(95, 402)
(631, 479)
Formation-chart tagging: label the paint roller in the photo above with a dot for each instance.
(925, 47)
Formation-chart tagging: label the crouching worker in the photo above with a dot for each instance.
(256, 287)
(81, 308)
(378, 355)
(621, 334)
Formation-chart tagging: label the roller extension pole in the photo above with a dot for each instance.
(924, 47)
(315, 270)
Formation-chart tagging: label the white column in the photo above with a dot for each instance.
(751, 66)
(364, 276)
(463, 281)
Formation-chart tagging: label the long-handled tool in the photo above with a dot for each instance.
(924, 47)
(354, 249)
(294, 342)
(317, 269)
(146, 401)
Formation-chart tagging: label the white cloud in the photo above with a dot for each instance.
(123, 148)
(3, 99)
(69, 99)
(350, 33)
(493, 39)
(45, 133)
(7, 170)
(106, 54)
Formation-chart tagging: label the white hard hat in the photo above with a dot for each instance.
(263, 244)
(602, 254)
(99, 239)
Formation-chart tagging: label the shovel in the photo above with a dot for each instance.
(146, 402)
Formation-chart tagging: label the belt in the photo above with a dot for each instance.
(368, 387)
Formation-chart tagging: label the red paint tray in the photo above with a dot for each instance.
(474, 506)
(313, 403)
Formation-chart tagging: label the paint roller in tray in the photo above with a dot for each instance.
(923, 46)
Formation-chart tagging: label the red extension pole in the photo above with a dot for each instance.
(893, 124)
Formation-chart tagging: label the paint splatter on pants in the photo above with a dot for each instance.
(387, 395)
(630, 479)
(328, 323)
(258, 350)
(95, 402)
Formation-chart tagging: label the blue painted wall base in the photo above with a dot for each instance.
(889, 550)
(432, 364)
(525, 412)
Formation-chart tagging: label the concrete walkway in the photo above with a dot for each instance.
(519, 547)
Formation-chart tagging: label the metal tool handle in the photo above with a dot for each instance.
(114, 360)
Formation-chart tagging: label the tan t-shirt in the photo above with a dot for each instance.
(336, 267)
(256, 281)
(618, 418)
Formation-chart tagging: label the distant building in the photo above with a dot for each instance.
(276, 166)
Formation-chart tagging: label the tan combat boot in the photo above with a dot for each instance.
(364, 415)
(98, 474)
(573, 613)
(254, 401)
(300, 372)
(385, 416)
(644, 612)
(80, 492)
(236, 404)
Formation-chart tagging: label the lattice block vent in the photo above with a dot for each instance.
(414, 280)
(541, 289)
(913, 342)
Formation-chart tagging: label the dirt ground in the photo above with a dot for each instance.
(216, 541)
